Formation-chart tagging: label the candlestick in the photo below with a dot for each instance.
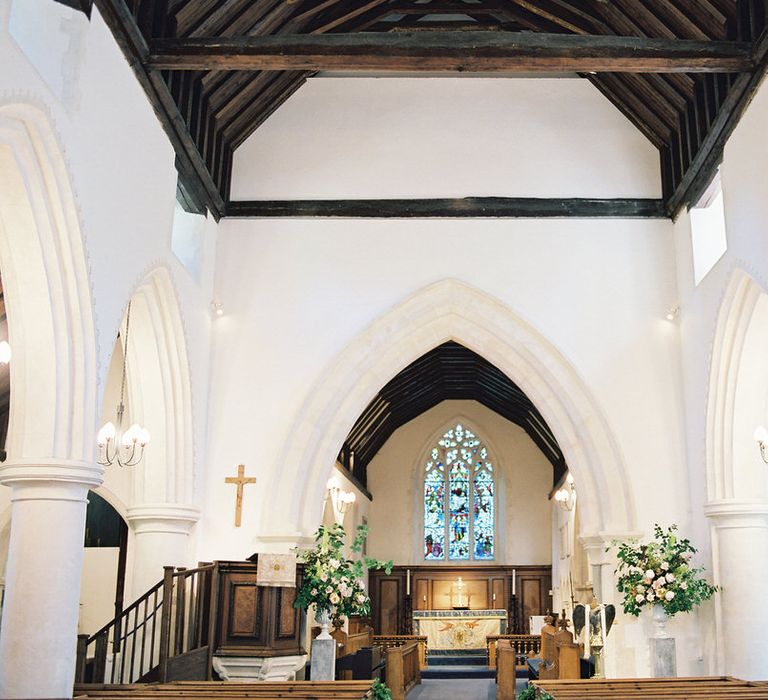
(514, 576)
(407, 582)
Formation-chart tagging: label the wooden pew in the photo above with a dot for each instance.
(698, 688)
(199, 690)
(506, 670)
(403, 669)
(525, 645)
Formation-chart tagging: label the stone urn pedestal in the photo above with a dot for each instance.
(323, 656)
(663, 653)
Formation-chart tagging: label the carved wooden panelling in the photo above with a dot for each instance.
(422, 595)
(431, 588)
(389, 606)
(244, 610)
(532, 598)
(498, 594)
(287, 614)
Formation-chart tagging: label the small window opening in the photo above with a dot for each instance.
(708, 237)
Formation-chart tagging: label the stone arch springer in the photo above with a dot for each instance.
(443, 311)
(50, 310)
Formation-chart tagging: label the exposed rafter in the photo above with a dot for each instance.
(214, 70)
(449, 372)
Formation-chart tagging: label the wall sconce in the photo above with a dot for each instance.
(566, 496)
(218, 308)
(761, 438)
(672, 313)
(340, 500)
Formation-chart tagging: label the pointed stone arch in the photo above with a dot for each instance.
(47, 292)
(738, 384)
(448, 310)
(737, 484)
(159, 391)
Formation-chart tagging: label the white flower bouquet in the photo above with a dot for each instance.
(660, 573)
(332, 582)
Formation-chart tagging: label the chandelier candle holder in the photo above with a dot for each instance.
(340, 500)
(115, 446)
(566, 496)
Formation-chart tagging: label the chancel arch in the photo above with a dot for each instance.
(445, 311)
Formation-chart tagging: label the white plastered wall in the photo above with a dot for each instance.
(703, 309)
(71, 71)
(523, 481)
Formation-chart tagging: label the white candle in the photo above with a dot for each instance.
(514, 576)
(407, 582)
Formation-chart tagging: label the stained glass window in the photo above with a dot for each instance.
(459, 499)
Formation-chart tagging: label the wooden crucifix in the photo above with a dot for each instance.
(240, 480)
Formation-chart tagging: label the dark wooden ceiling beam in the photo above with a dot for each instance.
(133, 44)
(468, 207)
(451, 51)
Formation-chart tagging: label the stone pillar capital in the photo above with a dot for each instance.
(599, 546)
(162, 518)
(737, 513)
(50, 479)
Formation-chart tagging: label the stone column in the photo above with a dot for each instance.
(45, 556)
(740, 563)
(160, 538)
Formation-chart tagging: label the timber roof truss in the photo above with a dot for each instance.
(682, 71)
(449, 372)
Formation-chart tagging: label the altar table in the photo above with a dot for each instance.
(458, 629)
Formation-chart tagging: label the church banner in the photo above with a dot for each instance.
(277, 570)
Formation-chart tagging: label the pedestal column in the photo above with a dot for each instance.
(160, 538)
(740, 556)
(42, 584)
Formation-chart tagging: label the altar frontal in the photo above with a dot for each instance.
(458, 629)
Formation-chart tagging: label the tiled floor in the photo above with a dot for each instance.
(438, 689)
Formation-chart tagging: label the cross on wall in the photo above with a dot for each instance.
(241, 480)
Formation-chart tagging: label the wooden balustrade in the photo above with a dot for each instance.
(403, 669)
(169, 626)
(524, 645)
(396, 640)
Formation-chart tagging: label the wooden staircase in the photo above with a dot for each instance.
(165, 635)
(176, 629)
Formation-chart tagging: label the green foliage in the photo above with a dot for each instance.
(380, 691)
(660, 573)
(530, 694)
(331, 581)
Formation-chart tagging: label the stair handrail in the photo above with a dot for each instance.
(185, 625)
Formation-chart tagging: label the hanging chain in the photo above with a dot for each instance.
(125, 351)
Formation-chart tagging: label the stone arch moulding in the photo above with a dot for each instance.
(159, 393)
(448, 310)
(737, 371)
(50, 312)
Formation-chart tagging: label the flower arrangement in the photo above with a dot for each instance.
(333, 583)
(660, 573)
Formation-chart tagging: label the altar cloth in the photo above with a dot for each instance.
(458, 629)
